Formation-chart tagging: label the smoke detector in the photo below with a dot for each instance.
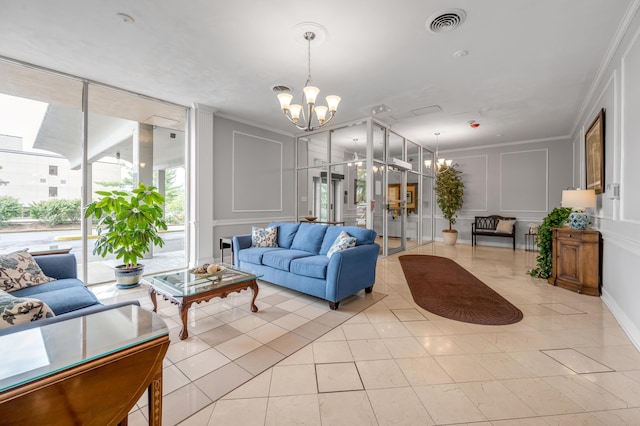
(446, 21)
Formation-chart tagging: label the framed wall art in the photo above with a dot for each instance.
(594, 154)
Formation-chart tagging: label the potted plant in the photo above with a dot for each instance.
(128, 225)
(449, 191)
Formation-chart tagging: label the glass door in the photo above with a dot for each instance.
(395, 236)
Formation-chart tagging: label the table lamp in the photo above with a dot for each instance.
(579, 200)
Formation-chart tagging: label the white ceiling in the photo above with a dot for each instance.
(529, 68)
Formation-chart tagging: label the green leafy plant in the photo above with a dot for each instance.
(449, 191)
(556, 218)
(128, 223)
(10, 207)
(55, 212)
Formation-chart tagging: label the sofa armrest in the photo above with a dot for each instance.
(351, 270)
(74, 314)
(58, 266)
(240, 242)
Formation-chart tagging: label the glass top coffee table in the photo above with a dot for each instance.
(184, 288)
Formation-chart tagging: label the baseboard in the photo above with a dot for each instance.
(625, 323)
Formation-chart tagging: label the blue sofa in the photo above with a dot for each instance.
(300, 261)
(67, 296)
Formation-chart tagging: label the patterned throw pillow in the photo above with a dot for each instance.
(19, 270)
(20, 310)
(264, 237)
(344, 241)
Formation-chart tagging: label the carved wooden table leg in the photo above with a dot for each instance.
(254, 288)
(152, 294)
(154, 395)
(184, 314)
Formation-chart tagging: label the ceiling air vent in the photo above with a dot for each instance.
(446, 21)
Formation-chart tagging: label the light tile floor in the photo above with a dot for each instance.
(567, 362)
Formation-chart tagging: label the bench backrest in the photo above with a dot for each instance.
(489, 222)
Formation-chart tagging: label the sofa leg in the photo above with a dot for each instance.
(368, 289)
(334, 305)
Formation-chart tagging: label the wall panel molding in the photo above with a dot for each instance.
(524, 168)
(256, 156)
(476, 181)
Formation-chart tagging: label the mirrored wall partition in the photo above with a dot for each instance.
(46, 162)
(363, 174)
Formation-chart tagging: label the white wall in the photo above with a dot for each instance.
(246, 175)
(522, 180)
(617, 90)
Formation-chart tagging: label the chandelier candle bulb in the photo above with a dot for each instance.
(285, 100)
(311, 93)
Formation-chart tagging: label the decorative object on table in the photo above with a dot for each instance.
(208, 270)
(579, 200)
(450, 191)
(128, 227)
(556, 218)
(533, 228)
(310, 218)
(310, 32)
(443, 287)
(594, 154)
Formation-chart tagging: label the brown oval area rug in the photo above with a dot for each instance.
(443, 287)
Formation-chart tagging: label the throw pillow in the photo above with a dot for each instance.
(505, 226)
(264, 237)
(20, 310)
(19, 270)
(344, 241)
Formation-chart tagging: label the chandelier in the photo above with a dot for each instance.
(293, 112)
(439, 163)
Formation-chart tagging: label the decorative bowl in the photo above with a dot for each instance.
(208, 274)
(310, 218)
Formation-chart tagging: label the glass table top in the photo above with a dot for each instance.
(184, 283)
(41, 351)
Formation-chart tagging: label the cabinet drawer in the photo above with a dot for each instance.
(569, 235)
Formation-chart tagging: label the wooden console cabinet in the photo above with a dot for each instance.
(577, 260)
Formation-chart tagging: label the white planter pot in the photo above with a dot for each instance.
(128, 278)
(450, 237)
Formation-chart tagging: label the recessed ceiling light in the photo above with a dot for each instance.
(126, 18)
(460, 53)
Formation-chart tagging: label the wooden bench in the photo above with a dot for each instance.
(486, 226)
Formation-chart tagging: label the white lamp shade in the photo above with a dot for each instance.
(332, 102)
(449, 162)
(579, 198)
(427, 164)
(321, 113)
(294, 110)
(311, 93)
(285, 100)
(441, 161)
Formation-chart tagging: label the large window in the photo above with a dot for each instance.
(131, 139)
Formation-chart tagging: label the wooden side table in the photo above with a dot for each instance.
(577, 260)
(90, 369)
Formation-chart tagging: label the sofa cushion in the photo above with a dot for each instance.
(69, 299)
(281, 259)
(342, 242)
(264, 237)
(254, 254)
(362, 236)
(311, 266)
(286, 233)
(19, 270)
(20, 310)
(309, 237)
